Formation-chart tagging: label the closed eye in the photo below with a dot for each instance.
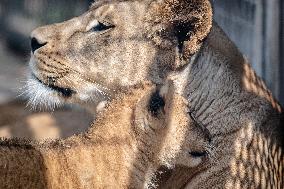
(101, 27)
(97, 26)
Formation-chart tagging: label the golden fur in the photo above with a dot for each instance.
(112, 154)
(92, 66)
(244, 122)
(219, 127)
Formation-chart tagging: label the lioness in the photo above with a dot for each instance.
(118, 44)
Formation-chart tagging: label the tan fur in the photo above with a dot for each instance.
(112, 154)
(143, 42)
(244, 121)
(214, 103)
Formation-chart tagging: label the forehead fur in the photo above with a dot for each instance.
(100, 3)
(166, 19)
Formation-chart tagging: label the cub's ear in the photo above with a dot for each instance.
(182, 23)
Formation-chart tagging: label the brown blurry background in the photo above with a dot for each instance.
(256, 26)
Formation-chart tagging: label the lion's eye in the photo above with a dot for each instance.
(99, 26)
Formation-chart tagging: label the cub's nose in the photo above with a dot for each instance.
(35, 44)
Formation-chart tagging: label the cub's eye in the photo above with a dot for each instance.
(97, 26)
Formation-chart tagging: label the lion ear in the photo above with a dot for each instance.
(186, 23)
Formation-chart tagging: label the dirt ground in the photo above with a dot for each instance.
(17, 120)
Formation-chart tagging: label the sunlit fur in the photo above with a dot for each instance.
(166, 41)
(140, 47)
(124, 148)
(244, 121)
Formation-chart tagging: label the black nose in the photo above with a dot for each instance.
(35, 44)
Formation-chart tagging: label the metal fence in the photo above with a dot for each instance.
(256, 27)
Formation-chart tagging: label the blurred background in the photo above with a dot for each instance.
(17, 19)
(256, 26)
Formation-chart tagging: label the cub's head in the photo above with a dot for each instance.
(113, 46)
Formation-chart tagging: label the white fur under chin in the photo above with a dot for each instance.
(40, 96)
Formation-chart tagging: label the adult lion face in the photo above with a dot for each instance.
(114, 45)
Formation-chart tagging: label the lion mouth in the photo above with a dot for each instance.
(65, 92)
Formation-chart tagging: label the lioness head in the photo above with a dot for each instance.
(115, 45)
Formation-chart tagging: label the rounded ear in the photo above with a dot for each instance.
(182, 23)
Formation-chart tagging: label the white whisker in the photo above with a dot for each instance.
(40, 96)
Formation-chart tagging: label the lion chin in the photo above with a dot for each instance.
(48, 96)
(41, 95)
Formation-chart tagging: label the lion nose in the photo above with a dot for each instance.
(35, 44)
